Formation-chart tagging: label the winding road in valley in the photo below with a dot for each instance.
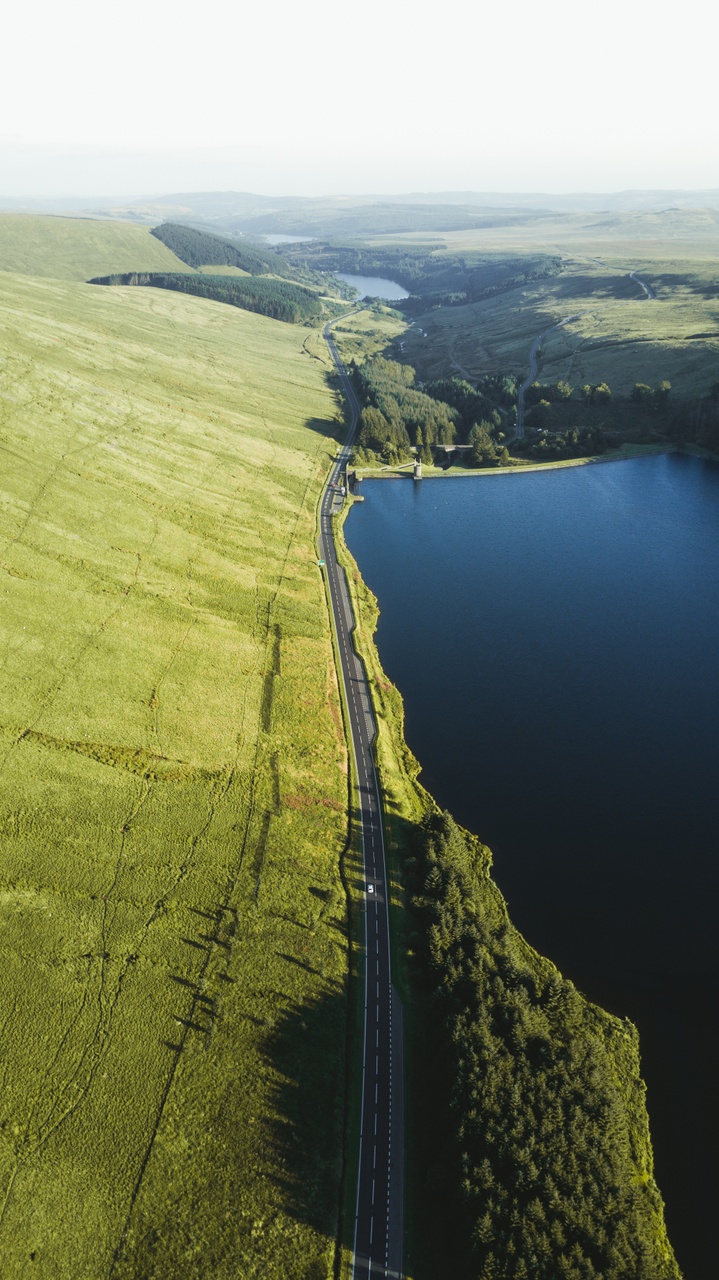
(378, 1228)
(519, 430)
(649, 292)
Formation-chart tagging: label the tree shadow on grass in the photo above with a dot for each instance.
(194, 1218)
(327, 427)
(611, 287)
(306, 1054)
(301, 964)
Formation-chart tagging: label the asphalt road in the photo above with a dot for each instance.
(378, 1227)
(519, 430)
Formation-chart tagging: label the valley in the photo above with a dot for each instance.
(182, 885)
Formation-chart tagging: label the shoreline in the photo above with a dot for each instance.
(405, 800)
(618, 455)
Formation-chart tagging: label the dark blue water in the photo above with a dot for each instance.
(554, 636)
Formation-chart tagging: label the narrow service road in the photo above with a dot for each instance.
(648, 291)
(519, 429)
(378, 1226)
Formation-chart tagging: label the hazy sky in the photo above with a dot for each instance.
(147, 96)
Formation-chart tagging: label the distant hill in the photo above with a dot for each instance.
(203, 249)
(76, 248)
(233, 204)
(241, 213)
(374, 219)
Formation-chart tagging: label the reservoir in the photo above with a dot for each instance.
(275, 240)
(374, 286)
(554, 636)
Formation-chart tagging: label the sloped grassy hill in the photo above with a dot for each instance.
(173, 776)
(618, 335)
(77, 248)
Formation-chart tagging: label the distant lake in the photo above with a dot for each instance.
(374, 286)
(278, 239)
(555, 637)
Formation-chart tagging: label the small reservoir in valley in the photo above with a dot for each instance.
(374, 286)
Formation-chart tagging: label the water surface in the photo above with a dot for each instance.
(374, 286)
(554, 636)
(275, 239)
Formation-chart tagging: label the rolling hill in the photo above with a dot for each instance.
(77, 248)
(173, 775)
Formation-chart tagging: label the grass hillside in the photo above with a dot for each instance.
(482, 297)
(77, 248)
(173, 774)
(665, 233)
(268, 297)
(619, 335)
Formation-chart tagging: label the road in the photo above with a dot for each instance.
(378, 1227)
(649, 292)
(519, 430)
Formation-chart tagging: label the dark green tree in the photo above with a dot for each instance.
(642, 394)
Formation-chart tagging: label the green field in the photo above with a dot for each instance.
(367, 333)
(175, 955)
(78, 248)
(620, 336)
(661, 234)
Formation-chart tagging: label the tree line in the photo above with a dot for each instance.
(530, 1123)
(202, 249)
(398, 415)
(696, 422)
(275, 298)
(434, 278)
(549, 438)
(402, 418)
(599, 394)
